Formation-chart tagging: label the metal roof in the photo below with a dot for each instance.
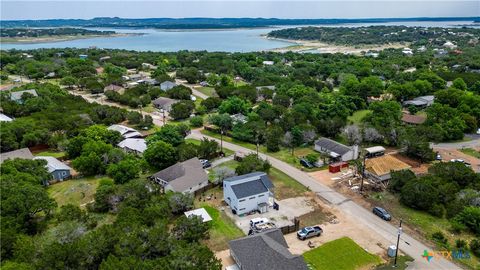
(332, 146)
(138, 145)
(53, 164)
(18, 94)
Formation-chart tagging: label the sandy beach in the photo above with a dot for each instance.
(47, 39)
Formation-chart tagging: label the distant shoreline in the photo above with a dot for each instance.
(51, 39)
(322, 47)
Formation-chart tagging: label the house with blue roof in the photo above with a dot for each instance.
(248, 192)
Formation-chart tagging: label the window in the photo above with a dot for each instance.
(64, 173)
(241, 209)
(251, 198)
(242, 200)
(261, 195)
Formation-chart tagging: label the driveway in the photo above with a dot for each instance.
(348, 207)
(195, 92)
(448, 154)
(288, 210)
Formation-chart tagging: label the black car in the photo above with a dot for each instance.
(382, 213)
(305, 163)
(205, 163)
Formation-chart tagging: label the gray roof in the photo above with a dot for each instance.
(163, 102)
(265, 251)
(23, 153)
(332, 146)
(258, 183)
(126, 132)
(249, 188)
(53, 164)
(18, 94)
(183, 175)
(166, 85)
(135, 144)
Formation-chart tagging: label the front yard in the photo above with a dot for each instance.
(343, 254)
(76, 191)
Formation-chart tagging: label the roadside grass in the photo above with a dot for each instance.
(51, 154)
(285, 186)
(76, 191)
(358, 116)
(423, 223)
(209, 91)
(471, 152)
(401, 263)
(285, 154)
(343, 254)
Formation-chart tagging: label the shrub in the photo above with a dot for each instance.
(437, 210)
(470, 217)
(440, 238)
(312, 158)
(461, 244)
(475, 246)
(196, 121)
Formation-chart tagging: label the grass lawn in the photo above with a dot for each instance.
(471, 152)
(357, 116)
(222, 229)
(209, 91)
(51, 154)
(77, 191)
(285, 186)
(340, 254)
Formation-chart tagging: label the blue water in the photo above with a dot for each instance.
(232, 40)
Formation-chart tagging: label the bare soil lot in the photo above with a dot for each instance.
(448, 154)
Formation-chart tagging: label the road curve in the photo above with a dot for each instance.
(408, 245)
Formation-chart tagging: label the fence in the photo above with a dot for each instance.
(291, 228)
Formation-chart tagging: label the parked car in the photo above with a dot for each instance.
(308, 232)
(438, 157)
(457, 160)
(256, 221)
(305, 163)
(382, 213)
(205, 163)
(478, 131)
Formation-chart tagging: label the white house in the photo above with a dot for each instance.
(268, 63)
(186, 177)
(336, 151)
(56, 168)
(248, 192)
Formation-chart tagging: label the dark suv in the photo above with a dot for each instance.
(382, 213)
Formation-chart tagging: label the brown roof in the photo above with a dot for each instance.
(385, 164)
(413, 119)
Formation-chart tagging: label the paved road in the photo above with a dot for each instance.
(195, 92)
(414, 248)
(474, 142)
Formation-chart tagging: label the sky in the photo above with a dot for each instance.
(64, 9)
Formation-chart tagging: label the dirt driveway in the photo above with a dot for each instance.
(343, 226)
(448, 154)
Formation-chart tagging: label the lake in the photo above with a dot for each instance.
(231, 40)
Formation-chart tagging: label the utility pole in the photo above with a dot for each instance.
(221, 140)
(363, 171)
(398, 241)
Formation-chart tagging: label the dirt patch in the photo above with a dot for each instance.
(225, 257)
(340, 226)
(448, 154)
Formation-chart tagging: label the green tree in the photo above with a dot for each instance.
(191, 229)
(124, 171)
(169, 134)
(252, 163)
(234, 105)
(182, 110)
(160, 154)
